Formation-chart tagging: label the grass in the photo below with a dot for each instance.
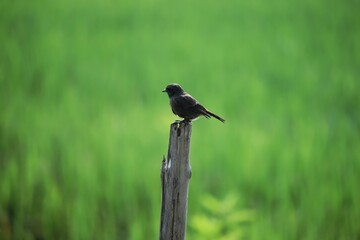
(84, 125)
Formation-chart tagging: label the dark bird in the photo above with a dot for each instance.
(185, 106)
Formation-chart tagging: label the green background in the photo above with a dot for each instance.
(84, 125)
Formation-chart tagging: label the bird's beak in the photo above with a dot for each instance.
(164, 90)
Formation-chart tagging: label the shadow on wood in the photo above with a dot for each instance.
(175, 176)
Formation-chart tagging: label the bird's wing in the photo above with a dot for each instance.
(188, 101)
(181, 103)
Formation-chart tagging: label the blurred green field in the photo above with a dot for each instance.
(84, 125)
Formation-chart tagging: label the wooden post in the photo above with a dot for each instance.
(175, 176)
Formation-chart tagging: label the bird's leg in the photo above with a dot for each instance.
(186, 121)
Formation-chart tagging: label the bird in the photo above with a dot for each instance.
(185, 106)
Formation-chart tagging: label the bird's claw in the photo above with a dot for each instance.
(184, 121)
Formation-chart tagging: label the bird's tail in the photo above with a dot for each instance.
(208, 114)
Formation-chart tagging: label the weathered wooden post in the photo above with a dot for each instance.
(175, 176)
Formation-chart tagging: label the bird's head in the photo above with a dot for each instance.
(173, 89)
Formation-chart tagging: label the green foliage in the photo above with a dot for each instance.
(84, 125)
(221, 220)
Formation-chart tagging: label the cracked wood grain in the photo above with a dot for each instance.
(175, 177)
